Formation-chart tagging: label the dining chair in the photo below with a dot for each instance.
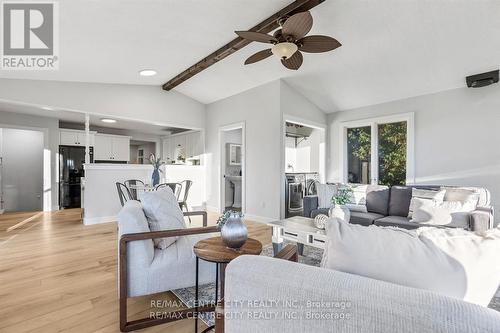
(175, 187)
(185, 186)
(123, 193)
(130, 185)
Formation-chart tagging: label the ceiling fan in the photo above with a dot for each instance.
(290, 40)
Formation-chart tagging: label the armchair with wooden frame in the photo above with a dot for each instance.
(167, 270)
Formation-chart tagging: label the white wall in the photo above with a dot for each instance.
(134, 102)
(295, 105)
(264, 110)
(456, 136)
(259, 108)
(50, 127)
(22, 174)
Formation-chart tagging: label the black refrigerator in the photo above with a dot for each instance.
(71, 161)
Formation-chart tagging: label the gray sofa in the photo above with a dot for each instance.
(390, 206)
(272, 296)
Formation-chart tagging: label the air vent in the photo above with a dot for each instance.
(482, 80)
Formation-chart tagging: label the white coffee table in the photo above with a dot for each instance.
(297, 229)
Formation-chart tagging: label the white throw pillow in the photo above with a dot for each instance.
(468, 198)
(447, 213)
(451, 262)
(163, 213)
(428, 212)
(431, 196)
(358, 194)
(325, 193)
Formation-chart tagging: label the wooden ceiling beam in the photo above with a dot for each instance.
(266, 26)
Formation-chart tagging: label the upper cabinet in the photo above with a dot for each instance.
(112, 148)
(183, 148)
(69, 137)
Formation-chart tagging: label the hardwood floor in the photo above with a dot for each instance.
(57, 275)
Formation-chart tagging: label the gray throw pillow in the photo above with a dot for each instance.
(325, 194)
(163, 213)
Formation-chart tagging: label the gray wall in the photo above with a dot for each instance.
(51, 145)
(457, 133)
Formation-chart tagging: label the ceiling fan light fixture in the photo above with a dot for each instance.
(284, 50)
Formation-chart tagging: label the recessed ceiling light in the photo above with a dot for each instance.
(48, 108)
(108, 120)
(147, 72)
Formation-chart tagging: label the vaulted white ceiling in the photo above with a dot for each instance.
(392, 49)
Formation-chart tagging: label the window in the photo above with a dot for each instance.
(378, 151)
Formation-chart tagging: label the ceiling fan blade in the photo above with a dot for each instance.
(294, 62)
(261, 55)
(298, 25)
(256, 36)
(318, 43)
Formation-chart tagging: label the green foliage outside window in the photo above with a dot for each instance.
(391, 150)
(392, 153)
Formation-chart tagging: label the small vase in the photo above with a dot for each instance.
(340, 212)
(155, 178)
(234, 233)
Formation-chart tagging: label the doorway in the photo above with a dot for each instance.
(21, 170)
(232, 167)
(304, 162)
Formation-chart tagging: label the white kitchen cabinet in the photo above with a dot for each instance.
(168, 150)
(112, 148)
(191, 144)
(75, 138)
(121, 148)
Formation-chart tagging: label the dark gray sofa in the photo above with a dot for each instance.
(390, 207)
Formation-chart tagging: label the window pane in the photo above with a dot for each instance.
(359, 154)
(392, 153)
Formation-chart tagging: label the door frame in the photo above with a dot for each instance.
(322, 164)
(222, 165)
(373, 123)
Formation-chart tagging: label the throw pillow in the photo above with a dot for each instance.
(451, 262)
(432, 196)
(163, 213)
(428, 212)
(357, 202)
(325, 194)
(467, 197)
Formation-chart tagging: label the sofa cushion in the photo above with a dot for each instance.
(399, 202)
(364, 218)
(377, 199)
(451, 262)
(163, 213)
(318, 211)
(396, 221)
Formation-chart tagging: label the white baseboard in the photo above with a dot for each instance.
(99, 220)
(257, 218)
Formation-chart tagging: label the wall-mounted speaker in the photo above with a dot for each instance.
(482, 80)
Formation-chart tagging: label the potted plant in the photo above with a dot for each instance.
(156, 162)
(343, 197)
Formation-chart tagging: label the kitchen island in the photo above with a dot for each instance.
(101, 203)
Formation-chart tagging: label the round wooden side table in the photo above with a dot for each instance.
(214, 250)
